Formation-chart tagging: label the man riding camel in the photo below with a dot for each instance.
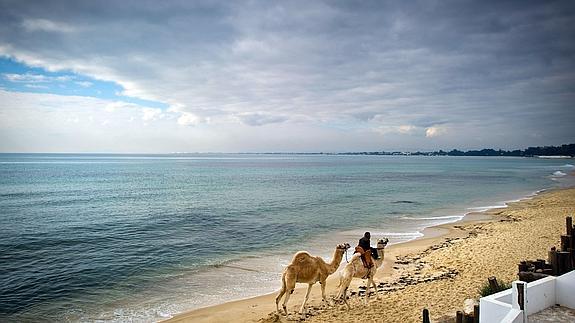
(366, 251)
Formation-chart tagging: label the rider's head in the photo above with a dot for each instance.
(367, 235)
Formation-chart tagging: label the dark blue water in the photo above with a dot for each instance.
(111, 237)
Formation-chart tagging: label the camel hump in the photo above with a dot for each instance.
(301, 256)
(354, 257)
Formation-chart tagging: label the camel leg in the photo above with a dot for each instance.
(279, 297)
(289, 291)
(374, 287)
(322, 284)
(345, 298)
(302, 310)
(367, 292)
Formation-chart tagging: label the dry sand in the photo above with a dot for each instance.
(438, 272)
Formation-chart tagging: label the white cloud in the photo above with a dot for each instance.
(116, 105)
(406, 129)
(46, 25)
(402, 130)
(189, 119)
(151, 114)
(36, 86)
(260, 119)
(34, 78)
(435, 131)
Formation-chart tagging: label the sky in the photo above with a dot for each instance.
(285, 76)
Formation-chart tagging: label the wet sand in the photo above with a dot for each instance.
(438, 271)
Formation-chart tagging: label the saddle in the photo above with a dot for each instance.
(365, 257)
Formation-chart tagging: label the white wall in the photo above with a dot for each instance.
(565, 290)
(514, 316)
(492, 310)
(503, 296)
(540, 295)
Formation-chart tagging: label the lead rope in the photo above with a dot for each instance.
(346, 256)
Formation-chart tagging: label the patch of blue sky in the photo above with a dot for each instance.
(19, 77)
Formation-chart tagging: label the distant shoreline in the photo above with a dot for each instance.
(566, 151)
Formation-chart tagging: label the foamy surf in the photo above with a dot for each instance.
(559, 174)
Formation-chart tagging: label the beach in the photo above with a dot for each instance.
(438, 271)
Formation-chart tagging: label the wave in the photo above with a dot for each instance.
(490, 207)
(447, 217)
(405, 202)
(558, 174)
(397, 234)
(397, 237)
(568, 166)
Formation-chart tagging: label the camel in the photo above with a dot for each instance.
(356, 269)
(305, 268)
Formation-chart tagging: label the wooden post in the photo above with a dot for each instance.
(553, 260)
(493, 283)
(540, 264)
(547, 271)
(569, 225)
(522, 266)
(426, 315)
(521, 295)
(573, 247)
(562, 262)
(476, 314)
(459, 317)
(565, 242)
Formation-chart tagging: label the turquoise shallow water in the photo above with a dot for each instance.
(111, 237)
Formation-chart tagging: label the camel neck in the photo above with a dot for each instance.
(335, 260)
(381, 254)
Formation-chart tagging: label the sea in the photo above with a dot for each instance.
(128, 237)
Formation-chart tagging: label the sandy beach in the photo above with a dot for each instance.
(438, 271)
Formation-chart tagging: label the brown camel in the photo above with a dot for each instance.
(305, 268)
(356, 269)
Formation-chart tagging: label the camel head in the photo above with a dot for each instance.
(343, 246)
(381, 243)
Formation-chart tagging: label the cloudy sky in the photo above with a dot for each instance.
(252, 76)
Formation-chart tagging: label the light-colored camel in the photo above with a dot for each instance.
(305, 268)
(356, 269)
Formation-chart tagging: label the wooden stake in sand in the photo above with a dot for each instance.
(493, 283)
(426, 316)
(476, 314)
(552, 255)
(459, 317)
